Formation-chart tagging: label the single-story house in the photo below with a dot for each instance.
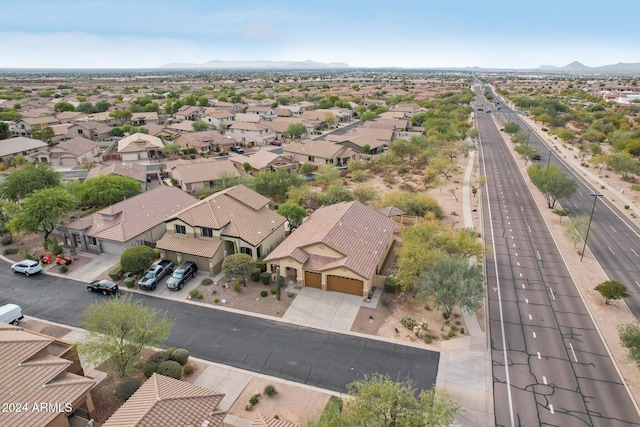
(263, 160)
(203, 142)
(195, 176)
(72, 152)
(135, 221)
(19, 146)
(144, 118)
(35, 369)
(319, 153)
(139, 146)
(133, 170)
(235, 220)
(340, 248)
(165, 401)
(91, 130)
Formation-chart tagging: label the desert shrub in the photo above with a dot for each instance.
(11, 251)
(216, 300)
(273, 290)
(390, 285)
(180, 355)
(129, 282)
(126, 388)
(25, 253)
(170, 369)
(6, 240)
(253, 400)
(187, 370)
(206, 281)
(64, 268)
(254, 275)
(291, 294)
(420, 328)
(408, 322)
(265, 278)
(193, 293)
(237, 287)
(264, 294)
(158, 357)
(116, 273)
(269, 390)
(54, 246)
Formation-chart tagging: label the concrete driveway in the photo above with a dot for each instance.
(323, 309)
(98, 265)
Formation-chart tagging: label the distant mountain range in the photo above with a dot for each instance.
(577, 67)
(259, 65)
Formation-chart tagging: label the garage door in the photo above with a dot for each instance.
(345, 285)
(313, 280)
(201, 262)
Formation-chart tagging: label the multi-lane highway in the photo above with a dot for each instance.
(550, 364)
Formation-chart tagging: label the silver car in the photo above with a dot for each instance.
(27, 267)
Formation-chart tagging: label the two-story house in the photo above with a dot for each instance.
(266, 113)
(235, 220)
(253, 133)
(139, 146)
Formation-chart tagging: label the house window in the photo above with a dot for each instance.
(247, 251)
(180, 229)
(80, 131)
(207, 232)
(311, 158)
(259, 251)
(93, 241)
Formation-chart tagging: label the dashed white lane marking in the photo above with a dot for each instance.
(523, 286)
(552, 294)
(551, 408)
(530, 317)
(610, 250)
(634, 252)
(614, 230)
(526, 300)
(573, 352)
(539, 257)
(534, 335)
(539, 356)
(544, 380)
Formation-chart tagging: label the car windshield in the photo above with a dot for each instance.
(148, 276)
(177, 275)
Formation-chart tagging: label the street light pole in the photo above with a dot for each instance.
(549, 160)
(593, 208)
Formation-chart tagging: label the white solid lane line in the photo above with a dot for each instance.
(573, 352)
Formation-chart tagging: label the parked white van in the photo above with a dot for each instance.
(11, 313)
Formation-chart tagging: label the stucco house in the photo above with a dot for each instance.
(235, 220)
(318, 152)
(139, 146)
(195, 176)
(263, 160)
(20, 146)
(203, 142)
(266, 113)
(72, 152)
(135, 221)
(91, 130)
(340, 248)
(219, 119)
(254, 133)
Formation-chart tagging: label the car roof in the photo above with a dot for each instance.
(28, 261)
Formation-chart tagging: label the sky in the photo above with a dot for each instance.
(373, 33)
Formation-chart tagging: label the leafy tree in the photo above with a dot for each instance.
(477, 184)
(119, 328)
(413, 204)
(379, 401)
(298, 194)
(442, 166)
(623, 163)
(42, 210)
(368, 116)
(199, 126)
(101, 106)
(106, 190)
(85, 107)
(43, 133)
(18, 184)
(630, 337)
(171, 149)
(335, 193)
(612, 289)
(511, 128)
(238, 265)
(330, 119)
(295, 130)
(61, 106)
(121, 116)
(246, 166)
(366, 148)
(275, 185)
(306, 168)
(294, 214)
(452, 281)
(327, 175)
(137, 258)
(552, 182)
(526, 151)
(562, 213)
(4, 130)
(576, 229)
(599, 161)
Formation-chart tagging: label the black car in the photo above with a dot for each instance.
(107, 287)
(536, 157)
(181, 275)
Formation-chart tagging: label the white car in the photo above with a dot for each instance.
(27, 266)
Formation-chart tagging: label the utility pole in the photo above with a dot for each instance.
(593, 208)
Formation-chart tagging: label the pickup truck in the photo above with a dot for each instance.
(155, 273)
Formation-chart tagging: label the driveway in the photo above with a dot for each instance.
(324, 309)
(98, 265)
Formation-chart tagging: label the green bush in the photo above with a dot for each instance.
(11, 251)
(408, 322)
(148, 369)
(129, 282)
(6, 240)
(273, 290)
(237, 287)
(116, 273)
(264, 294)
(64, 268)
(254, 275)
(153, 361)
(187, 370)
(180, 355)
(216, 300)
(265, 278)
(206, 281)
(390, 285)
(137, 258)
(126, 388)
(170, 369)
(269, 390)
(193, 293)
(54, 246)
(254, 400)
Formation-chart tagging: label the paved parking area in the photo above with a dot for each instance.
(324, 309)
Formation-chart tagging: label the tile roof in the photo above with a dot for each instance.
(391, 211)
(77, 146)
(202, 171)
(18, 145)
(164, 401)
(131, 217)
(201, 139)
(133, 170)
(28, 373)
(265, 421)
(237, 211)
(247, 126)
(199, 247)
(350, 228)
(258, 160)
(138, 142)
(318, 148)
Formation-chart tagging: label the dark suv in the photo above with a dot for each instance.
(181, 274)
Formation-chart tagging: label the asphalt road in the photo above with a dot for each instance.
(613, 239)
(550, 364)
(304, 355)
(339, 131)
